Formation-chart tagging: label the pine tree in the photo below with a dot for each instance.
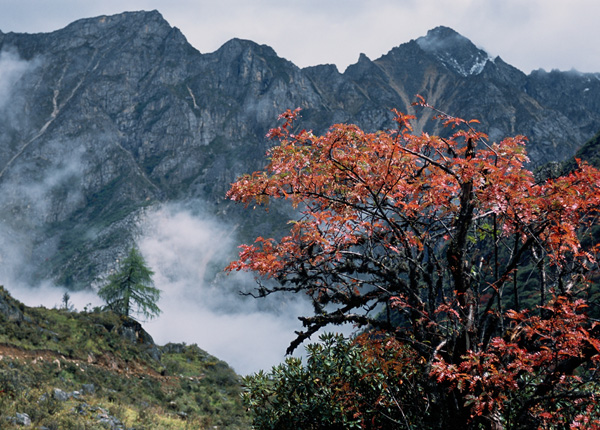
(131, 289)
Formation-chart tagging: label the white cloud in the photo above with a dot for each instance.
(50, 296)
(186, 250)
(12, 68)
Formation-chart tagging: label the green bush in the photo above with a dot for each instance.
(367, 383)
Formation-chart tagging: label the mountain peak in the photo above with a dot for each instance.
(130, 22)
(454, 50)
(442, 31)
(442, 38)
(129, 17)
(237, 44)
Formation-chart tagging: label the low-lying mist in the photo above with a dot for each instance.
(186, 248)
(200, 303)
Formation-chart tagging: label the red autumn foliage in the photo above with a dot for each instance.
(428, 237)
(539, 363)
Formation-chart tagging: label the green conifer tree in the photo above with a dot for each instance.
(131, 289)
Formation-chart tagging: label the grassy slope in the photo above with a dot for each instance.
(111, 373)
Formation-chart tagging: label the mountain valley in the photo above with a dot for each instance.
(115, 130)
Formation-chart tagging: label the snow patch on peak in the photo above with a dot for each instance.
(478, 66)
(468, 67)
(454, 51)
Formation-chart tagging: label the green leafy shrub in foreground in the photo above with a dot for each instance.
(370, 382)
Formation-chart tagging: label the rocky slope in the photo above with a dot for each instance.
(115, 114)
(95, 369)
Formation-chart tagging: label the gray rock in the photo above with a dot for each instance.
(60, 395)
(108, 421)
(88, 388)
(23, 419)
(154, 352)
(9, 307)
(133, 332)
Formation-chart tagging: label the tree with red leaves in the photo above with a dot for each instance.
(451, 245)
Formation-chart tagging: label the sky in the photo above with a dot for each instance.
(528, 34)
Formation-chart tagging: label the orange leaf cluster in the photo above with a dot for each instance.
(540, 355)
(432, 228)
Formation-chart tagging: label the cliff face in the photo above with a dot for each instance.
(113, 114)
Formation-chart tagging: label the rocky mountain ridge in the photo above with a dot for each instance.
(116, 114)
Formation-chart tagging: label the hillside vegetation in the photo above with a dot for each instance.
(61, 369)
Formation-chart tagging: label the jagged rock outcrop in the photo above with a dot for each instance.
(117, 113)
(133, 332)
(10, 309)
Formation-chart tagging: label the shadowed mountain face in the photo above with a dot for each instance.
(115, 114)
